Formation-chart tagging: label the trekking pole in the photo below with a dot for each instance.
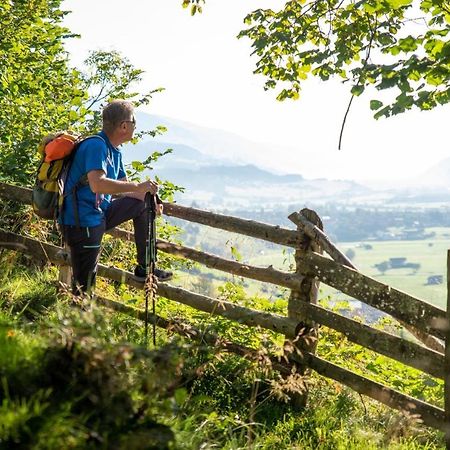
(150, 262)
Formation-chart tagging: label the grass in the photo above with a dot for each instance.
(207, 399)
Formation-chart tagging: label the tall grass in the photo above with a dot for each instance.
(77, 376)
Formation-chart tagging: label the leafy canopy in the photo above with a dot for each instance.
(36, 84)
(398, 46)
(40, 93)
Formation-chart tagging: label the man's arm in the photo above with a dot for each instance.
(141, 196)
(99, 184)
(138, 195)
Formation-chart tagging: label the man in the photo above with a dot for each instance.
(88, 210)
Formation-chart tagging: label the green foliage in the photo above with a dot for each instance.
(195, 6)
(135, 170)
(24, 293)
(40, 93)
(68, 385)
(65, 372)
(37, 87)
(108, 75)
(397, 45)
(333, 347)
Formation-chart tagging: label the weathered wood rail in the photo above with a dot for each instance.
(428, 322)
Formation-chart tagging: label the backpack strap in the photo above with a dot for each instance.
(83, 181)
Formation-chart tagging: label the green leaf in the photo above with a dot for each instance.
(384, 112)
(180, 396)
(138, 166)
(235, 253)
(77, 101)
(73, 115)
(398, 3)
(375, 104)
(357, 90)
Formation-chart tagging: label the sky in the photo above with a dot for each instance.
(208, 78)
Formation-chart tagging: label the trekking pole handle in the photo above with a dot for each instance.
(150, 201)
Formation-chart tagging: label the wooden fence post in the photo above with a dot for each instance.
(447, 361)
(65, 272)
(306, 333)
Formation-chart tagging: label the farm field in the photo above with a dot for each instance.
(430, 254)
(428, 258)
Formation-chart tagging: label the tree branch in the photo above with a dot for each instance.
(369, 48)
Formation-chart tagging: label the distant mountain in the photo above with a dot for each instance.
(430, 189)
(228, 147)
(438, 175)
(182, 156)
(224, 174)
(217, 169)
(251, 187)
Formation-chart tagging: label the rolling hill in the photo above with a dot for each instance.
(217, 170)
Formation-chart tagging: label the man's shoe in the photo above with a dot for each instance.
(162, 275)
(140, 272)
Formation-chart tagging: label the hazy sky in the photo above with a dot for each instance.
(208, 78)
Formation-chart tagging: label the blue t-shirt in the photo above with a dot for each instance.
(95, 153)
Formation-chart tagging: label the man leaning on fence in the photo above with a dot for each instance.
(96, 174)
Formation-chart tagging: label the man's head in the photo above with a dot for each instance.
(119, 121)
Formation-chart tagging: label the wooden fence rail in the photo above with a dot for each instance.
(268, 275)
(270, 233)
(311, 267)
(400, 305)
(318, 236)
(407, 352)
(429, 414)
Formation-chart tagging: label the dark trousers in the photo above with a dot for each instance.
(85, 242)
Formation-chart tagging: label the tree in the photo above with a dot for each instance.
(399, 46)
(108, 75)
(37, 86)
(40, 93)
(391, 44)
(383, 266)
(350, 254)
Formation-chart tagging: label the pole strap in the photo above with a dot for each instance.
(150, 262)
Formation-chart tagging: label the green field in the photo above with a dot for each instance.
(431, 254)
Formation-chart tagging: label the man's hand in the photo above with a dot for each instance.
(147, 186)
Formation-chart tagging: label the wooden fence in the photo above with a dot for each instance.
(428, 323)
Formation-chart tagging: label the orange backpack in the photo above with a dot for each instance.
(57, 151)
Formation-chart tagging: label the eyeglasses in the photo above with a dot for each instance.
(130, 121)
